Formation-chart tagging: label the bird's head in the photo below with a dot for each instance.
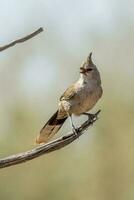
(88, 70)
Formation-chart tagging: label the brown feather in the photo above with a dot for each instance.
(69, 93)
(50, 128)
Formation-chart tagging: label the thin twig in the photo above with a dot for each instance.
(46, 148)
(33, 34)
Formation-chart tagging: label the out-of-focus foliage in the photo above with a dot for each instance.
(100, 165)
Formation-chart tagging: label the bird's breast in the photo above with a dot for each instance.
(86, 98)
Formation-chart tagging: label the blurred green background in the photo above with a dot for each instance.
(33, 75)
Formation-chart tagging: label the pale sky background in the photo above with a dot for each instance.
(73, 29)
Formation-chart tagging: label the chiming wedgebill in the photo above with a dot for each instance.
(78, 99)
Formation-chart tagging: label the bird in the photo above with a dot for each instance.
(77, 100)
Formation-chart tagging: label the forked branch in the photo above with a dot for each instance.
(31, 35)
(47, 148)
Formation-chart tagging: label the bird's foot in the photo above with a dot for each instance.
(92, 117)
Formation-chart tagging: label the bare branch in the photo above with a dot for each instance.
(46, 148)
(22, 39)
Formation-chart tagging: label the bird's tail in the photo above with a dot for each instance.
(50, 128)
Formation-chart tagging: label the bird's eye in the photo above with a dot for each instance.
(89, 69)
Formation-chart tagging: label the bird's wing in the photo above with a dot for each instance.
(69, 93)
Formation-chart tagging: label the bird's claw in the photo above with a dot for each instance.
(92, 117)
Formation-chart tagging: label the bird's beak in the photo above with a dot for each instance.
(83, 70)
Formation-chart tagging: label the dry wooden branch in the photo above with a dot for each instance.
(22, 39)
(47, 148)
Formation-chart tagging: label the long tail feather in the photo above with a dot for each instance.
(50, 128)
